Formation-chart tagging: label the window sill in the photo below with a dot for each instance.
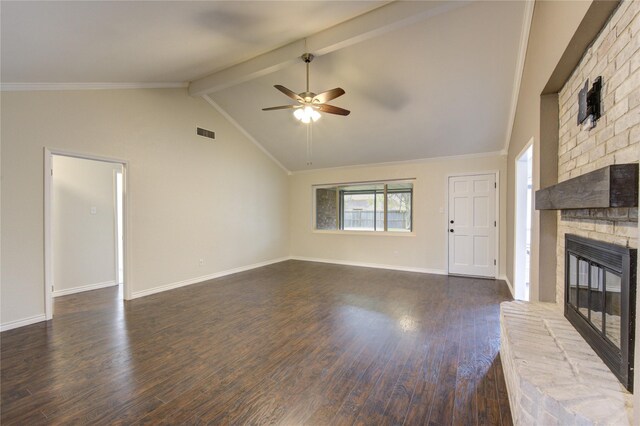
(382, 234)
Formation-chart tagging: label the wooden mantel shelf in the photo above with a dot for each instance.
(611, 186)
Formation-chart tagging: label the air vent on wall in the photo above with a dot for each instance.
(206, 133)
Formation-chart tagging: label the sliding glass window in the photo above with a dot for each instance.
(374, 207)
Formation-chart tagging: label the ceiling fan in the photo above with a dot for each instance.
(308, 102)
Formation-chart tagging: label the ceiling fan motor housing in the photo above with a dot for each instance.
(307, 96)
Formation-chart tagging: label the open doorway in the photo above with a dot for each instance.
(522, 245)
(84, 227)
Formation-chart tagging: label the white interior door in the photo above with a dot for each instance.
(472, 225)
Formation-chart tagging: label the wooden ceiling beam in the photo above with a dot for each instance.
(389, 17)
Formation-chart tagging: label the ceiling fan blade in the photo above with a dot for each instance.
(328, 95)
(281, 107)
(290, 93)
(333, 109)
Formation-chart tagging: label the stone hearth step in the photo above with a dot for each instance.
(553, 376)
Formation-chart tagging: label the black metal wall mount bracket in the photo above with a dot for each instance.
(589, 101)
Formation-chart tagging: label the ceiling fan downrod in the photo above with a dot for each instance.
(307, 58)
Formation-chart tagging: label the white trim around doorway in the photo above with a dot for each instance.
(48, 237)
(515, 216)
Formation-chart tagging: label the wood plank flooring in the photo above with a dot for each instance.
(291, 343)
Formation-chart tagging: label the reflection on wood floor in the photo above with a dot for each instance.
(290, 343)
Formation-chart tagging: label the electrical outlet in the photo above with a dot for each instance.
(201, 262)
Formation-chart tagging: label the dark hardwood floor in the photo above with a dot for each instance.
(291, 343)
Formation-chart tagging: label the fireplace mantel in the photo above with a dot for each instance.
(611, 186)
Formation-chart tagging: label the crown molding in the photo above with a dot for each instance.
(244, 132)
(24, 87)
(500, 153)
(517, 78)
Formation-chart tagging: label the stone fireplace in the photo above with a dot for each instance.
(553, 374)
(614, 56)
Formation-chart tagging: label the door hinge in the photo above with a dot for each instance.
(495, 223)
(494, 262)
(51, 172)
(495, 185)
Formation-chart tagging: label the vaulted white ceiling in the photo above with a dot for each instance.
(439, 85)
(151, 41)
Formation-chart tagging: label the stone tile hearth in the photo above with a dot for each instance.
(553, 376)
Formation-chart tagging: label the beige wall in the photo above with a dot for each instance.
(426, 250)
(554, 23)
(190, 198)
(83, 241)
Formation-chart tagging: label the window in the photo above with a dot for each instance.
(374, 207)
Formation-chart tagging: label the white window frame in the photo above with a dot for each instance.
(412, 233)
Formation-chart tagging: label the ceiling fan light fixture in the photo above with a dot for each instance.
(306, 114)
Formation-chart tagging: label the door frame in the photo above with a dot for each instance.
(496, 173)
(48, 211)
(116, 228)
(515, 216)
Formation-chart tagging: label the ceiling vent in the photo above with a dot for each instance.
(206, 133)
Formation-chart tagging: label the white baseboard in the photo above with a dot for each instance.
(22, 322)
(171, 286)
(506, 279)
(39, 318)
(372, 265)
(89, 287)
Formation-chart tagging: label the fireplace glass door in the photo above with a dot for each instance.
(612, 303)
(594, 291)
(600, 285)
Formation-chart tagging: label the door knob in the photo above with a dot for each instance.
(451, 221)
(450, 230)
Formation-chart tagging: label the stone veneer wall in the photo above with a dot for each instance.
(614, 55)
(326, 209)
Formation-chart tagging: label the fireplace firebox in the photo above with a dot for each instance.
(600, 289)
